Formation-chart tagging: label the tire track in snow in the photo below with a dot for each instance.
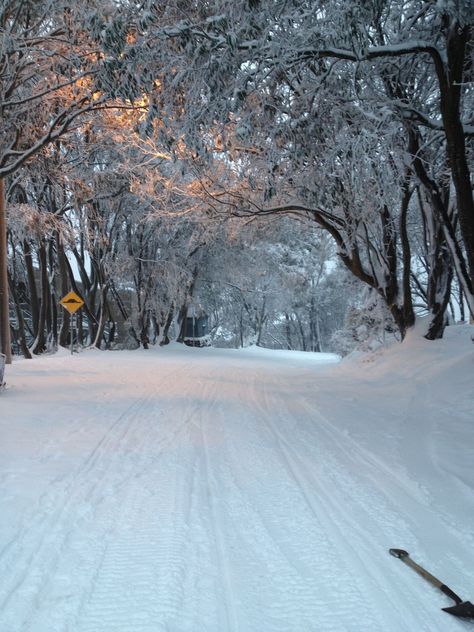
(173, 531)
(44, 524)
(211, 492)
(45, 499)
(337, 524)
(295, 603)
(267, 562)
(343, 489)
(178, 537)
(45, 538)
(391, 484)
(432, 427)
(144, 561)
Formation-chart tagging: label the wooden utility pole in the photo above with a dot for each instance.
(5, 341)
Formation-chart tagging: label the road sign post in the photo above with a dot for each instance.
(72, 302)
(71, 327)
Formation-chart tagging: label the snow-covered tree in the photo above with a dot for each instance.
(271, 80)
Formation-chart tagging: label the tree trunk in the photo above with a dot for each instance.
(156, 328)
(262, 318)
(462, 316)
(144, 320)
(241, 327)
(34, 302)
(63, 275)
(182, 323)
(166, 329)
(439, 209)
(302, 334)
(5, 338)
(439, 301)
(112, 334)
(39, 344)
(450, 80)
(288, 331)
(450, 89)
(408, 311)
(102, 318)
(389, 291)
(21, 322)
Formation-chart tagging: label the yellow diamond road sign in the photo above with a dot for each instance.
(72, 302)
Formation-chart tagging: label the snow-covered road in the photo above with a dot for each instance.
(187, 490)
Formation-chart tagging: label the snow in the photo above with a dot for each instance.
(206, 490)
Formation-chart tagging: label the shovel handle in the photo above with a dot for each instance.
(434, 581)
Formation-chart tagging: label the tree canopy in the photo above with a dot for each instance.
(140, 142)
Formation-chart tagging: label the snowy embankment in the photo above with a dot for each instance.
(201, 490)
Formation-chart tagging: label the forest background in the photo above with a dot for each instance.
(298, 171)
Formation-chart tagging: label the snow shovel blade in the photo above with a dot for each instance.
(462, 608)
